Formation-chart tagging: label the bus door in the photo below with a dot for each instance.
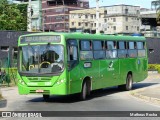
(73, 68)
(89, 56)
(109, 67)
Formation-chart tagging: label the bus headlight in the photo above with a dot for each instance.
(22, 82)
(60, 82)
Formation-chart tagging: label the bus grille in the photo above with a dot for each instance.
(39, 79)
(44, 92)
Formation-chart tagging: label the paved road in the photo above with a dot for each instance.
(110, 99)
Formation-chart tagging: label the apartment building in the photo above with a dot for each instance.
(56, 13)
(112, 19)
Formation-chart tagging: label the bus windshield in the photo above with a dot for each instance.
(41, 59)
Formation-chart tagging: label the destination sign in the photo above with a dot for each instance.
(41, 39)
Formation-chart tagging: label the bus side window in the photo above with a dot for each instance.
(132, 49)
(72, 53)
(98, 48)
(141, 49)
(111, 49)
(86, 52)
(122, 49)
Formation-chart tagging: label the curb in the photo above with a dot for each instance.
(136, 94)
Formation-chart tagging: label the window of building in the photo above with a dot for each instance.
(66, 9)
(67, 24)
(86, 16)
(59, 10)
(95, 24)
(105, 20)
(72, 23)
(4, 48)
(81, 4)
(126, 19)
(126, 11)
(137, 28)
(105, 12)
(126, 27)
(86, 24)
(114, 19)
(67, 17)
(114, 27)
(79, 24)
(91, 24)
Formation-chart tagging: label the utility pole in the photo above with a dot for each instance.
(97, 16)
(29, 16)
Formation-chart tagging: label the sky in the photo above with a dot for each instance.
(141, 3)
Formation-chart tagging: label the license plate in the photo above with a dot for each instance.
(39, 91)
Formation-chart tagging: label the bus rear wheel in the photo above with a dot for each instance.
(129, 82)
(46, 97)
(83, 93)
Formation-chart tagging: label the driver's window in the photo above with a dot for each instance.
(72, 53)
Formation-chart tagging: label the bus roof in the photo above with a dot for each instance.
(77, 35)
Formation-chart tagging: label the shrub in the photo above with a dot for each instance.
(154, 67)
(12, 74)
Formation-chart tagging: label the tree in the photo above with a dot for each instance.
(158, 15)
(12, 16)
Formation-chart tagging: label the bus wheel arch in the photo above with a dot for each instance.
(85, 88)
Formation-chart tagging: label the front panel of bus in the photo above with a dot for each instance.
(41, 66)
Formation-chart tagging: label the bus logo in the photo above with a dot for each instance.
(39, 78)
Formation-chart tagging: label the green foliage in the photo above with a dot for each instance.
(158, 15)
(13, 16)
(11, 74)
(1, 96)
(154, 67)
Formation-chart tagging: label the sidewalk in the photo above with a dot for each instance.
(151, 93)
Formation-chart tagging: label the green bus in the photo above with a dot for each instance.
(67, 63)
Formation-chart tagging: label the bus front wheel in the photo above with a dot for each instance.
(46, 97)
(83, 93)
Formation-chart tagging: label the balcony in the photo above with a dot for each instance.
(61, 2)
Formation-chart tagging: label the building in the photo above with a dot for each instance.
(36, 15)
(112, 19)
(56, 13)
(8, 47)
(85, 20)
(35, 20)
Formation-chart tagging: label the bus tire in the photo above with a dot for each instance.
(46, 97)
(129, 82)
(83, 93)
